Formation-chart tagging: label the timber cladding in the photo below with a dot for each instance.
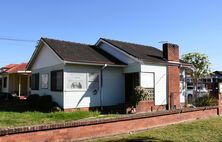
(80, 130)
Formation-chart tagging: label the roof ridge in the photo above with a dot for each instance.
(66, 41)
(131, 43)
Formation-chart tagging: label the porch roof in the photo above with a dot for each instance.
(13, 68)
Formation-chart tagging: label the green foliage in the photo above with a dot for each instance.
(205, 101)
(45, 103)
(141, 94)
(33, 101)
(200, 63)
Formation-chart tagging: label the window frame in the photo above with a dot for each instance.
(154, 85)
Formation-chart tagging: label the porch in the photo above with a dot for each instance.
(16, 84)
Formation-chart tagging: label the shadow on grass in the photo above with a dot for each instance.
(16, 105)
(140, 139)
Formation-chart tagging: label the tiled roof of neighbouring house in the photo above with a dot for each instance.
(14, 68)
(142, 52)
(76, 52)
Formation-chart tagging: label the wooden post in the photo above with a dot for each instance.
(19, 85)
(28, 84)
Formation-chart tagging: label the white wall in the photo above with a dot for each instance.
(56, 96)
(182, 86)
(112, 92)
(113, 86)
(46, 62)
(46, 58)
(160, 82)
(79, 98)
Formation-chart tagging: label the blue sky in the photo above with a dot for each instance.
(195, 25)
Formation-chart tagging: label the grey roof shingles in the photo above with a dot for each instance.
(141, 52)
(76, 52)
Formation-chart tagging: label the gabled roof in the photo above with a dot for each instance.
(218, 72)
(141, 52)
(14, 68)
(83, 53)
(72, 52)
(147, 54)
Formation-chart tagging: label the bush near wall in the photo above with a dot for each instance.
(41, 103)
(45, 103)
(33, 101)
(206, 101)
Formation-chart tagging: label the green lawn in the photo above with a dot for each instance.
(208, 130)
(17, 113)
(13, 119)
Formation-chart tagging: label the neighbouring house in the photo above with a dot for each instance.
(212, 82)
(105, 74)
(15, 79)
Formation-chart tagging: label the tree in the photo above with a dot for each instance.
(201, 66)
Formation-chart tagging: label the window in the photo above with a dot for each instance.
(44, 81)
(57, 80)
(35, 81)
(148, 82)
(5, 82)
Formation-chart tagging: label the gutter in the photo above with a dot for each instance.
(24, 71)
(93, 64)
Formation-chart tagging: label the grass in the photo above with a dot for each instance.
(14, 119)
(208, 130)
(16, 113)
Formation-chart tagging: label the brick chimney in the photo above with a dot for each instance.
(171, 54)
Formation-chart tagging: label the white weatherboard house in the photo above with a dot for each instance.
(105, 74)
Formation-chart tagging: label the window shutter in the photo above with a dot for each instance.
(37, 82)
(53, 81)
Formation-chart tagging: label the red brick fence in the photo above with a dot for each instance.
(79, 130)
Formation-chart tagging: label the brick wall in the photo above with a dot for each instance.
(79, 130)
(174, 86)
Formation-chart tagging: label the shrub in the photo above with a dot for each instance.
(45, 103)
(33, 101)
(56, 107)
(140, 94)
(206, 101)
